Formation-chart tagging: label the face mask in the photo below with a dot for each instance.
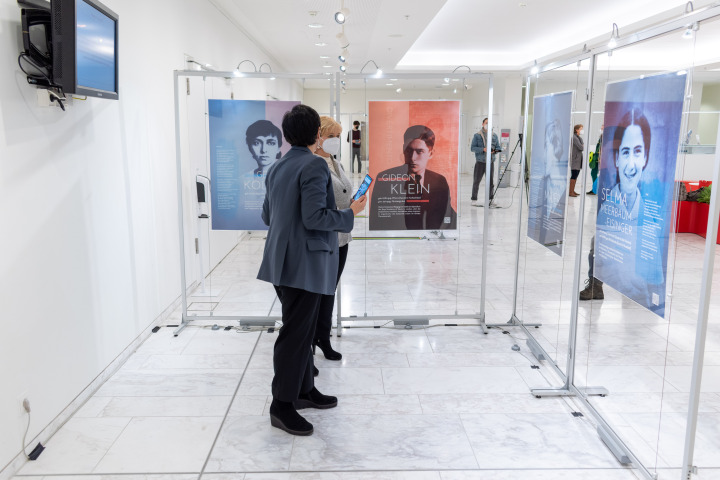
(580, 132)
(331, 145)
(485, 127)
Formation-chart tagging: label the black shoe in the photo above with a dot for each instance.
(591, 193)
(327, 349)
(284, 416)
(592, 291)
(315, 399)
(316, 372)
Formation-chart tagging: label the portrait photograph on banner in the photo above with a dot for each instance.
(413, 159)
(549, 169)
(245, 141)
(636, 184)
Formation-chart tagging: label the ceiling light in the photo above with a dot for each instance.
(342, 39)
(690, 32)
(342, 15)
(389, 84)
(342, 68)
(324, 57)
(314, 25)
(445, 84)
(378, 73)
(454, 90)
(320, 44)
(447, 79)
(342, 82)
(393, 79)
(614, 36)
(398, 90)
(327, 66)
(341, 58)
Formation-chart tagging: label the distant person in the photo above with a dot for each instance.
(576, 161)
(301, 260)
(595, 164)
(328, 147)
(479, 147)
(354, 137)
(411, 196)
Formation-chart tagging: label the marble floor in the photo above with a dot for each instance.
(441, 402)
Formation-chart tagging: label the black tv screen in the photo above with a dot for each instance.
(85, 48)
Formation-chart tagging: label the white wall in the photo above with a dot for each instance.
(90, 241)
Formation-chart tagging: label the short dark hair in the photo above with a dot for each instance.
(633, 117)
(262, 128)
(484, 120)
(577, 127)
(419, 132)
(356, 123)
(301, 126)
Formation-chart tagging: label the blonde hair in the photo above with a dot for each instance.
(328, 124)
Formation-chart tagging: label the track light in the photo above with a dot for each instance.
(378, 73)
(614, 36)
(690, 32)
(341, 15)
(342, 68)
(342, 82)
(341, 58)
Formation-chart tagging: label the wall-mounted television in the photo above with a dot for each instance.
(85, 48)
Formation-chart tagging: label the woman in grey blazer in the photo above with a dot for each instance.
(301, 260)
(328, 146)
(577, 158)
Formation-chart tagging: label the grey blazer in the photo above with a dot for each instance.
(301, 250)
(343, 190)
(578, 147)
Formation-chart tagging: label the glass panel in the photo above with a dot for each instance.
(631, 347)
(223, 239)
(548, 247)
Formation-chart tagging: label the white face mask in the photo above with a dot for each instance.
(331, 145)
(485, 127)
(581, 131)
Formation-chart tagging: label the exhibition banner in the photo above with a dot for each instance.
(413, 158)
(245, 140)
(635, 186)
(549, 168)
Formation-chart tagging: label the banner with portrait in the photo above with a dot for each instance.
(635, 186)
(549, 168)
(413, 159)
(245, 139)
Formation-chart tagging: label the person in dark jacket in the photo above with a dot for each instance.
(576, 161)
(301, 260)
(479, 147)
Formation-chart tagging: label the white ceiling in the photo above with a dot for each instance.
(487, 35)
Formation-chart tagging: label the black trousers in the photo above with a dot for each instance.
(292, 357)
(574, 174)
(324, 322)
(355, 154)
(478, 174)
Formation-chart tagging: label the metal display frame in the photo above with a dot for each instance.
(186, 319)
(411, 320)
(624, 455)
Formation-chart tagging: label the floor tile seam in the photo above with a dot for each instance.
(229, 407)
(438, 470)
(118, 474)
(117, 437)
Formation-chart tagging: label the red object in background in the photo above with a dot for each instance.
(692, 217)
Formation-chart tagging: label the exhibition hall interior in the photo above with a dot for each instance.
(532, 290)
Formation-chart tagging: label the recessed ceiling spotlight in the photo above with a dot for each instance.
(341, 16)
(445, 84)
(314, 25)
(398, 90)
(454, 90)
(327, 66)
(522, 4)
(446, 79)
(324, 57)
(393, 79)
(389, 84)
(320, 44)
